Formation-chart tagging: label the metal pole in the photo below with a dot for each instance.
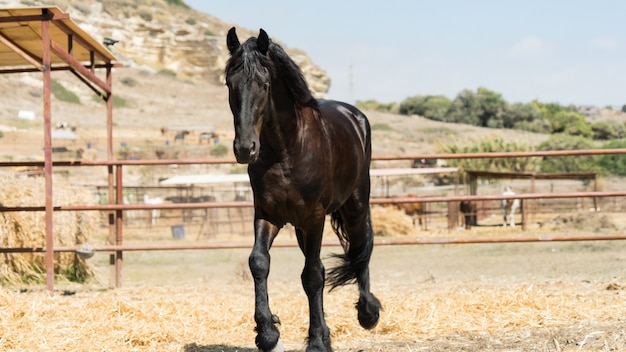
(47, 132)
(118, 229)
(112, 194)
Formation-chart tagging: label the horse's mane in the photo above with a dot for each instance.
(281, 66)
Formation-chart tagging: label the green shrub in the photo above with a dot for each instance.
(63, 94)
(375, 105)
(219, 150)
(179, 3)
(118, 101)
(432, 107)
(563, 141)
(610, 129)
(488, 145)
(167, 72)
(613, 163)
(571, 123)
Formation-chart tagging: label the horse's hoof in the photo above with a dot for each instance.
(278, 348)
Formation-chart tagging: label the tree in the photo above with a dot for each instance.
(525, 117)
(432, 107)
(609, 129)
(492, 107)
(571, 123)
(484, 108)
(465, 108)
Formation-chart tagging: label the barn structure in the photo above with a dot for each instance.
(45, 39)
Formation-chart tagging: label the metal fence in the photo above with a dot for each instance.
(116, 209)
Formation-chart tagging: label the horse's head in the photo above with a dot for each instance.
(248, 79)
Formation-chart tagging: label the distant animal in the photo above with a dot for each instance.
(469, 213)
(65, 126)
(154, 213)
(415, 210)
(206, 136)
(423, 163)
(306, 158)
(181, 136)
(509, 206)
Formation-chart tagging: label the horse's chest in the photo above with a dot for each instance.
(286, 199)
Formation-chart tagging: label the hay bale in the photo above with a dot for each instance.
(28, 229)
(390, 221)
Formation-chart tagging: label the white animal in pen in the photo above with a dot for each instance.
(154, 213)
(509, 206)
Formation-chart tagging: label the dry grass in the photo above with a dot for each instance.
(219, 318)
(388, 221)
(27, 229)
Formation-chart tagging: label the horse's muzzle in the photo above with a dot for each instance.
(246, 152)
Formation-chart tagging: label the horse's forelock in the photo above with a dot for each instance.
(246, 59)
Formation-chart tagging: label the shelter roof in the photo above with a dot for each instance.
(62, 134)
(533, 175)
(21, 40)
(237, 178)
(205, 179)
(412, 171)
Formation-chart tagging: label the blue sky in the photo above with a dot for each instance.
(570, 52)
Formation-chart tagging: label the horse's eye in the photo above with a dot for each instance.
(266, 86)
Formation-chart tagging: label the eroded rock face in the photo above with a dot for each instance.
(175, 38)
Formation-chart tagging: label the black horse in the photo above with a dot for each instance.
(306, 158)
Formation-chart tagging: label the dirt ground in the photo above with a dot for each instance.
(566, 296)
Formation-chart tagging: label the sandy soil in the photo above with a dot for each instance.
(484, 297)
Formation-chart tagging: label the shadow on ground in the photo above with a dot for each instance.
(194, 347)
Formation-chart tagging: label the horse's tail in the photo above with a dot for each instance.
(355, 260)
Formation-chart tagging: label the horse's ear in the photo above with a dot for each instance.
(232, 41)
(263, 42)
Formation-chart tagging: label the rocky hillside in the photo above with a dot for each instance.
(167, 35)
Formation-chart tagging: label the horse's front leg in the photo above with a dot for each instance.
(504, 217)
(268, 337)
(313, 278)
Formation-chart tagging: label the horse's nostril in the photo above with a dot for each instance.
(253, 148)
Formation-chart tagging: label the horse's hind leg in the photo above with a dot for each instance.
(368, 306)
(267, 338)
(357, 227)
